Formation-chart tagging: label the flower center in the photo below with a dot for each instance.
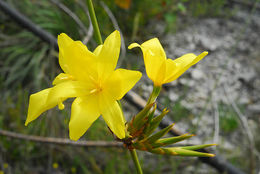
(98, 88)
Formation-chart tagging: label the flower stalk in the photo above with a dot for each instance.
(155, 93)
(136, 161)
(94, 22)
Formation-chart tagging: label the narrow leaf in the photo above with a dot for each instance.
(139, 120)
(142, 114)
(163, 151)
(155, 123)
(196, 147)
(176, 151)
(184, 152)
(171, 140)
(158, 135)
(151, 114)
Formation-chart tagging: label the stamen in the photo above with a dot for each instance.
(93, 91)
(61, 105)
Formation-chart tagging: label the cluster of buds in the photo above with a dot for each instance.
(141, 130)
(142, 135)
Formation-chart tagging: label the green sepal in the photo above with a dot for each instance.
(139, 120)
(155, 123)
(151, 114)
(183, 152)
(155, 93)
(163, 151)
(177, 151)
(171, 140)
(157, 135)
(196, 147)
(147, 124)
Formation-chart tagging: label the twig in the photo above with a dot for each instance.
(71, 14)
(60, 141)
(116, 26)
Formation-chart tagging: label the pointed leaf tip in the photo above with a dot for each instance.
(185, 152)
(170, 141)
(159, 134)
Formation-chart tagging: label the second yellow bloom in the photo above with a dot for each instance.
(160, 69)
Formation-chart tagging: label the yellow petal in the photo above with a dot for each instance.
(109, 54)
(171, 69)
(154, 59)
(64, 42)
(37, 105)
(51, 97)
(155, 47)
(114, 118)
(62, 78)
(98, 50)
(68, 89)
(74, 57)
(159, 76)
(199, 57)
(121, 81)
(84, 112)
(184, 62)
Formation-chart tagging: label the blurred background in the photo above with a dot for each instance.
(218, 99)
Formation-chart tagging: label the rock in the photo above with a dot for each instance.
(197, 74)
(254, 108)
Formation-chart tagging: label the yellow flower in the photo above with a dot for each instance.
(5, 165)
(160, 69)
(55, 165)
(93, 80)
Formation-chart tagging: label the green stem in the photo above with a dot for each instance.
(94, 22)
(136, 161)
(154, 94)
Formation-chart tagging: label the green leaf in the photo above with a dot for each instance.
(155, 123)
(151, 114)
(139, 120)
(176, 151)
(184, 152)
(147, 124)
(158, 135)
(196, 147)
(171, 140)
